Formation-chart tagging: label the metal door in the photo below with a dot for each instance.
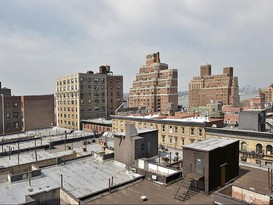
(199, 163)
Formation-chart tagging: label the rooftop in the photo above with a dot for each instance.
(77, 178)
(209, 144)
(253, 110)
(251, 178)
(139, 131)
(155, 193)
(189, 119)
(98, 121)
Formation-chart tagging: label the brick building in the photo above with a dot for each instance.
(23, 113)
(87, 96)
(231, 115)
(207, 87)
(97, 125)
(37, 111)
(155, 87)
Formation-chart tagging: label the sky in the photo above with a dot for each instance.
(43, 40)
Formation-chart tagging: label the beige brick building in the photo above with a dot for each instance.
(207, 87)
(86, 96)
(268, 94)
(155, 87)
(255, 147)
(172, 132)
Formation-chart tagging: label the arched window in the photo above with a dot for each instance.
(268, 149)
(243, 146)
(259, 148)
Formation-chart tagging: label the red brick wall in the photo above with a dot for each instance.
(38, 111)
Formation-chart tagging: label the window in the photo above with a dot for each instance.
(171, 139)
(192, 140)
(163, 128)
(268, 149)
(243, 146)
(7, 106)
(163, 138)
(175, 140)
(175, 129)
(200, 132)
(259, 148)
(182, 141)
(15, 105)
(192, 131)
(7, 116)
(183, 130)
(16, 124)
(15, 115)
(170, 129)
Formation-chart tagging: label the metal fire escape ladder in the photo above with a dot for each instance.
(269, 125)
(183, 189)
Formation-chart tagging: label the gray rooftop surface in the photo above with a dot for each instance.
(81, 177)
(139, 131)
(46, 139)
(99, 120)
(26, 157)
(210, 144)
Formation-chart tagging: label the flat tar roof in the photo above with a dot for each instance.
(80, 177)
(210, 144)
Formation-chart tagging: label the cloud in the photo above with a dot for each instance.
(40, 41)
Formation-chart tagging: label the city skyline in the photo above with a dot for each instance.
(40, 41)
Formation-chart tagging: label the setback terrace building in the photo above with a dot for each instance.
(155, 87)
(207, 87)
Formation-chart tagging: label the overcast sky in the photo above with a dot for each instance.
(43, 40)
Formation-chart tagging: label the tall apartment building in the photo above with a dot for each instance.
(155, 87)
(88, 95)
(207, 87)
(23, 113)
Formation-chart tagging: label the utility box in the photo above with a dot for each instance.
(252, 119)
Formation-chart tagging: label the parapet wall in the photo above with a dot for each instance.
(20, 172)
(236, 195)
(34, 172)
(55, 196)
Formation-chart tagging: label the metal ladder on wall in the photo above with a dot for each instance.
(183, 191)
